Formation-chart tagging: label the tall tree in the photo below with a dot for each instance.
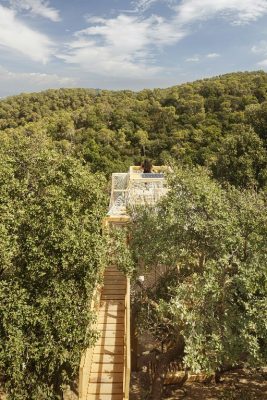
(211, 304)
(51, 254)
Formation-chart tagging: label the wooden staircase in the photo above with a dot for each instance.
(105, 369)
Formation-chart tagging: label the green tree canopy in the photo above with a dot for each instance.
(51, 254)
(211, 304)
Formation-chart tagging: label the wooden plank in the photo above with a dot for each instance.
(113, 291)
(112, 305)
(105, 349)
(114, 273)
(112, 313)
(108, 269)
(104, 397)
(103, 368)
(112, 296)
(110, 341)
(111, 334)
(105, 388)
(110, 279)
(107, 358)
(118, 309)
(110, 319)
(115, 285)
(102, 327)
(107, 377)
(111, 302)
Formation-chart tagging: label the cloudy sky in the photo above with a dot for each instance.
(127, 44)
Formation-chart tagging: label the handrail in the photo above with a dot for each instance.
(86, 359)
(127, 345)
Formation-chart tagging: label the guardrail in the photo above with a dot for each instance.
(86, 359)
(127, 345)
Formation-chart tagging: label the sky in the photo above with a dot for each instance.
(127, 44)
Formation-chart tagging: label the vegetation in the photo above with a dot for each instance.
(219, 123)
(51, 254)
(209, 309)
(57, 147)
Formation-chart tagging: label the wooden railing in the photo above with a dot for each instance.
(86, 360)
(127, 345)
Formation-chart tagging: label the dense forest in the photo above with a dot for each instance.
(58, 149)
(219, 123)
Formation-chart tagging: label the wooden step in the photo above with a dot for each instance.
(105, 349)
(113, 292)
(103, 368)
(112, 296)
(111, 334)
(110, 341)
(112, 302)
(105, 388)
(104, 397)
(110, 319)
(114, 285)
(118, 310)
(102, 327)
(108, 359)
(112, 269)
(112, 305)
(121, 280)
(111, 313)
(107, 377)
(111, 284)
(114, 273)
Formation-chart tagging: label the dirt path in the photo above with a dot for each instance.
(241, 384)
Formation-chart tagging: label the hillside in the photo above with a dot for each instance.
(219, 122)
(207, 311)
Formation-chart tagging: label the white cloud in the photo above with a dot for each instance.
(192, 59)
(189, 11)
(213, 55)
(35, 81)
(36, 7)
(15, 35)
(121, 46)
(198, 58)
(128, 45)
(238, 11)
(142, 5)
(261, 49)
(263, 63)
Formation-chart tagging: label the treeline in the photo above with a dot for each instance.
(219, 123)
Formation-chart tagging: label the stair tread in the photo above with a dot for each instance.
(107, 358)
(106, 377)
(105, 388)
(104, 397)
(106, 368)
(108, 349)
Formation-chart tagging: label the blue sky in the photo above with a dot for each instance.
(127, 44)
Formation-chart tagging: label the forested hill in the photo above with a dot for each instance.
(210, 236)
(219, 122)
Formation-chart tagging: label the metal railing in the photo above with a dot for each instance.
(132, 189)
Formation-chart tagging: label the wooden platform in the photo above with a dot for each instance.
(105, 378)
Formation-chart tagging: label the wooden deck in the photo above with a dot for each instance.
(104, 373)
